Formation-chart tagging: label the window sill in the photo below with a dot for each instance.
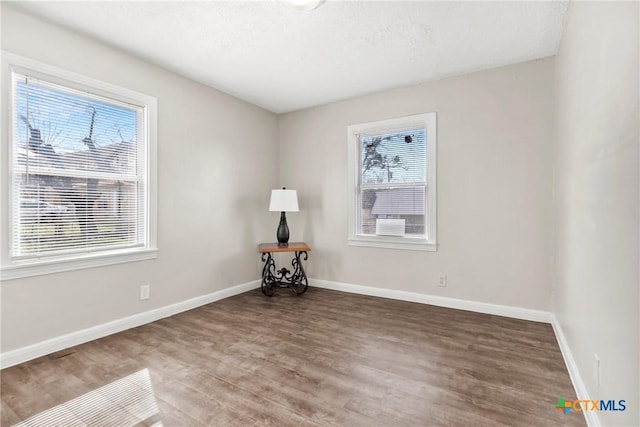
(391, 243)
(39, 267)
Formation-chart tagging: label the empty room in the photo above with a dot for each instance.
(320, 213)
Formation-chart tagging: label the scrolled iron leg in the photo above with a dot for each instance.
(299, 281)
(268, 279)
(272, 278)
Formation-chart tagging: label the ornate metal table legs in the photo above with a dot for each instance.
(296, 280)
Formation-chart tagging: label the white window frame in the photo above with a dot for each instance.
(426, 121)
(15, 267)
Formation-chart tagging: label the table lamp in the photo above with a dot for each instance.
(283, 201)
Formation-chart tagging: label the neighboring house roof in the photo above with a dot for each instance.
(400, 201)
(118, 157)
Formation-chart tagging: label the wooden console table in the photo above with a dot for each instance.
(273, 278)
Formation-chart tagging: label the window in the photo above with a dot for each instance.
(80, 169)
(392, 169)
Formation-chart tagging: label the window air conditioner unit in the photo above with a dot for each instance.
(390, 227)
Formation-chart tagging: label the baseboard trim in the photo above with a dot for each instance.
(580, 388)
(460, 304)
(23, 354)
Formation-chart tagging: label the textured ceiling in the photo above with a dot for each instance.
(283, 59)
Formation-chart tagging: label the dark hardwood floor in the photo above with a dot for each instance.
(324, 358)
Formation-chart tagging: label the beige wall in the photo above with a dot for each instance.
(212, 200)
(596, 275)
(495, 138)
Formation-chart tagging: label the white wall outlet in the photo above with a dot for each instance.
(443, 282)
(596, 369)
(145, 292)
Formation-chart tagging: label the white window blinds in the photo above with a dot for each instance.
(392, 183)
(78, 171)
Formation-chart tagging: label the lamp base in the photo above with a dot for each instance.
(283, 231)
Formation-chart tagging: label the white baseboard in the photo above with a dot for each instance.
(578, 384)
(480, 307)
(23, 354)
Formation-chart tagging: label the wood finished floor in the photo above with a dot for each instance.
(325, 358)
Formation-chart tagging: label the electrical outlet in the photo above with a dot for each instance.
(596, 369)
(443, 282)
(145, 291)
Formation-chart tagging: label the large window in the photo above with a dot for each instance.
(392, 174)
(80, 171)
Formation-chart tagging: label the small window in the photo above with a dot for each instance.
(81, 172)
(392, 173)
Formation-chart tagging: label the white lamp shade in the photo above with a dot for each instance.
(284, 201)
